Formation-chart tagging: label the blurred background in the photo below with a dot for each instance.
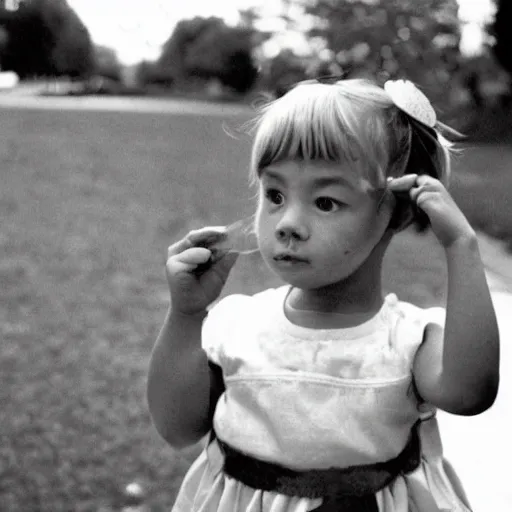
(122, 128)
(456, 50)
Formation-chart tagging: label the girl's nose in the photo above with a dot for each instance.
(290, 228)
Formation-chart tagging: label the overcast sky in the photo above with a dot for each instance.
(137, 29)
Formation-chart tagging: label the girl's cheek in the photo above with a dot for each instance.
(263, 228)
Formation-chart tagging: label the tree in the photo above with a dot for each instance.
(72, 53)
(388, 38)
(208, 48)
(29, 43)
(284, 70)
(4, 39)
(222, 52)
(502, 33)
(106, 63)
(174, 51)
(152, 73)
(46, 37)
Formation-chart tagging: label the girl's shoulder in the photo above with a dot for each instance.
(237, 313)
(407, 323)
(409, 312)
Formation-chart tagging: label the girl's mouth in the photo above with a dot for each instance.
(289, 259)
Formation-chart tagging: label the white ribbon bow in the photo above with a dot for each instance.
(407, 97)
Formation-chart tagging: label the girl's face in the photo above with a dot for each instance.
(317, 221)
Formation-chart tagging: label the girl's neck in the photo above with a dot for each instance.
(341, 300)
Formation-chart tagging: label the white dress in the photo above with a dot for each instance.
(314, 399)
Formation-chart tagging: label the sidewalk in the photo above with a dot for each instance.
(480, 447)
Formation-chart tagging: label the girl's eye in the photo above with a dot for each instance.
(274, 196)
(326, 204)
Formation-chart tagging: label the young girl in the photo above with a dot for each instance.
(321, 394)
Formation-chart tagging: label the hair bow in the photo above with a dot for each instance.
(407, 97)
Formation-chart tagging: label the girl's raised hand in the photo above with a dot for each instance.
(448, 222)
(196, 274)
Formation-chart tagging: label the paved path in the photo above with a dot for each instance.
(18, 99)
(480, 447)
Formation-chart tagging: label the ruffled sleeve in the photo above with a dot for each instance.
(220, 325)
(233, 318)
(435, 315)
(408, 327)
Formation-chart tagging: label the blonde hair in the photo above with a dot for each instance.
(354, 122)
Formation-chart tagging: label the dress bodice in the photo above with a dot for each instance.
(314, 398)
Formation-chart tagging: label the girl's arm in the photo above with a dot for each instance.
(179, 381)
(182, 389)
(458, 370)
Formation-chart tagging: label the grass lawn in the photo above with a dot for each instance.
(89, 203)
(482, 186)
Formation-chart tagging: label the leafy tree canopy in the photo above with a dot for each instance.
(46, 37)
(502, 33)
(208, 48)
(106, 62)
(386, 39)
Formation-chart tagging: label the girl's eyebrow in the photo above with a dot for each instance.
(322, 181)
(273, 175)
(326, 181)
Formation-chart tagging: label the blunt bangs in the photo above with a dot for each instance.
(346, 122)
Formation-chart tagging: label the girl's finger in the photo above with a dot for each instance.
(402, 184)
(414, 193)
(198, 238)
(189, 259)
(178, 247)
(425, 179)
(194, 256)
(206, 236)
(423, 184)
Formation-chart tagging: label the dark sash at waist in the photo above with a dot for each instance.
(352, 484)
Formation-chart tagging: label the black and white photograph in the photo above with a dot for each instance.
(255, 255)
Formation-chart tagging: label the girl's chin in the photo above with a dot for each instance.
(300, 278)
(306, 275)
